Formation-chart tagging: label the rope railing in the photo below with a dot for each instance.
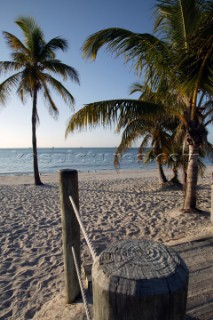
(91, 248)
(112, 281)
(86, 307)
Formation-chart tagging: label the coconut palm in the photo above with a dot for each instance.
(192, 40)
(168, 127)
(153, 135)
(33, 63)
(177, 57)
(156, 133)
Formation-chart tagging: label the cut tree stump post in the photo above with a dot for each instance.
(68, 180)
(139, 280)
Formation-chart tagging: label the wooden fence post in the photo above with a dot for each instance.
(68, 183)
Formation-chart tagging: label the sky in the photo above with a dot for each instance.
(104, 79)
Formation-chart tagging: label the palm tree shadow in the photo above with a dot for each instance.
(47, 186)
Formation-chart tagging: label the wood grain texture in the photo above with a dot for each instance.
(199, 258)
(139, 279)
(68, 183)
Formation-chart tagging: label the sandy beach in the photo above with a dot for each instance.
(113, 206)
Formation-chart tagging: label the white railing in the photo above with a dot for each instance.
(90, 245)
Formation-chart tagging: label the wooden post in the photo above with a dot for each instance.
(139, 279)
(68, 180)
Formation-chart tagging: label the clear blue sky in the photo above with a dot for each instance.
(106, 78)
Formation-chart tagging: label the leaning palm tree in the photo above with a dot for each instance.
(179, 56)
(156, 132)
(153, 135)
(34, 61)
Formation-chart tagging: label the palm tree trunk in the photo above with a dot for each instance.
(34, 141)
(175, 179)
(184, 184)
(162, 177)
(191, 183)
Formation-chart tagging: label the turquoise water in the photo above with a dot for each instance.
(19, 161)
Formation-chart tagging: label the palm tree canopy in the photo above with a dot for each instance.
(187, 26)
(177, 66)
(34, 63)
(176, 20)
(142, 49)
(153, 133)
(179, 53)
(110, 112)
(157, 132)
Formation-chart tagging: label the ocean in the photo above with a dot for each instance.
(19, 161)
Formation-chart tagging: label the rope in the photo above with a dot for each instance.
(92, 250)
(81, 286)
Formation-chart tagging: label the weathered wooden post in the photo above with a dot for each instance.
(68, 180)
(139, 279)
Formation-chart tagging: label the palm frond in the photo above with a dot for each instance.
(21, 58)
(110, 112)
(8, 66)
(34, 37)
(206, 111)
(22, 92)
(143, 89)
(53, 110)
(54, 44)
(176, 20)
(111, 36)
(60, 89)
(7, 86)
(14, 43)
(49, 48)
(144, 144)
(135, 47)
(134, 130)
(29, 80)
(196, 63)
(144, 111)
(206, 150)
(149, 156)
(62, 69)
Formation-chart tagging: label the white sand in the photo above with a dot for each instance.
(113, 207)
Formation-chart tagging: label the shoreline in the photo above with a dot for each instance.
(113, 207)
(102, 174)
(54, 177)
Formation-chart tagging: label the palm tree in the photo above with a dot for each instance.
(154, 135)
(178, 58)
(192, 40)
(33, 62)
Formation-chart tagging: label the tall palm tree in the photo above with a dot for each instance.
(177, 57)
(33, 61)
(191, 38)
